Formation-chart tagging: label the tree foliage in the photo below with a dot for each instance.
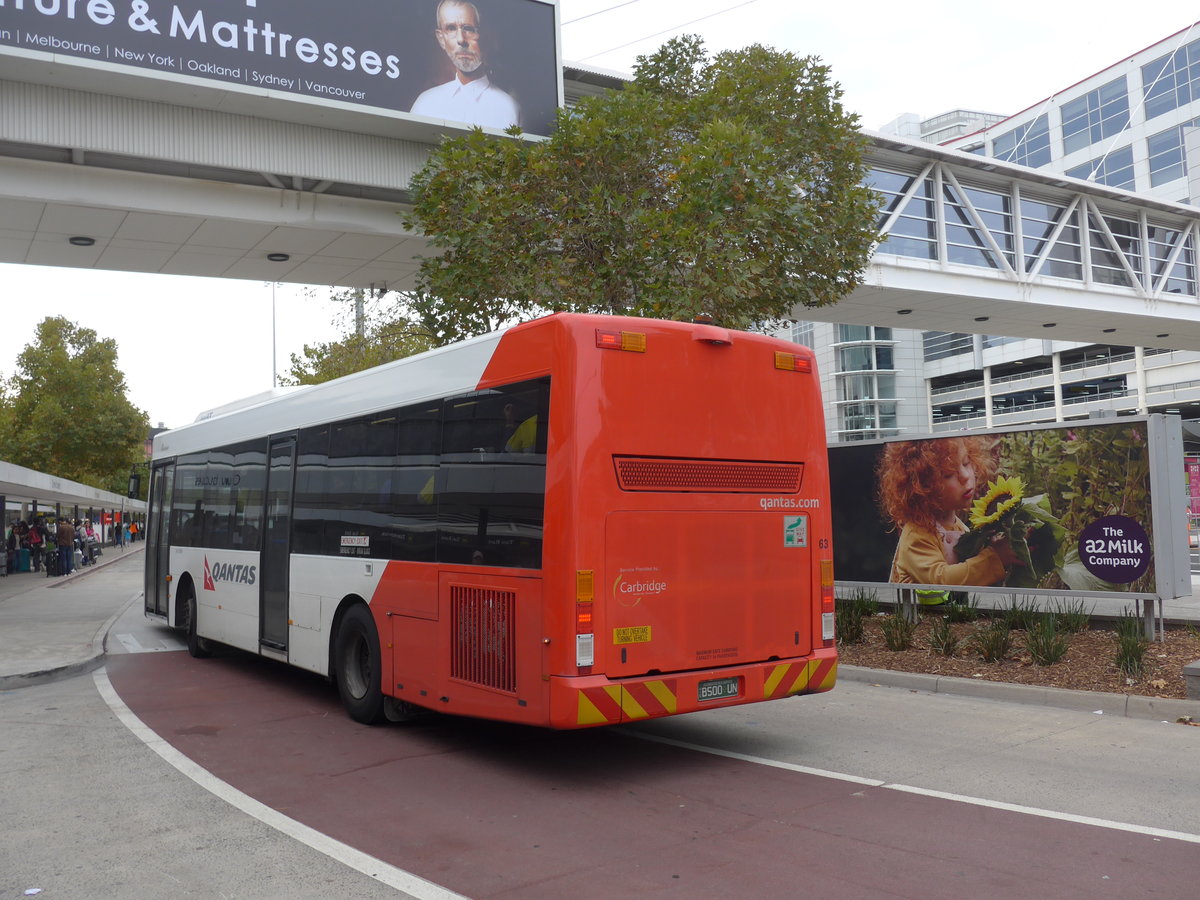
(730, 186)
(387, 330)
(65, 410)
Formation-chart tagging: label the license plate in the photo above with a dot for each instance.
(717, 689)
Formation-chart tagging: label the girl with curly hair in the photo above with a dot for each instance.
(922, 487)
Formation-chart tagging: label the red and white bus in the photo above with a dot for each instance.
(581, 520)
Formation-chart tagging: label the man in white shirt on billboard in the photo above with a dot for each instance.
(469, 96)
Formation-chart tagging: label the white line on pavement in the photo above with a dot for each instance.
(941, 795)
(388, 874)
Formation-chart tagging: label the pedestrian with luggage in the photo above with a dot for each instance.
(21, 538)
(87, 542)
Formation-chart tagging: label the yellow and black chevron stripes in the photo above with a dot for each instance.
(800, 678)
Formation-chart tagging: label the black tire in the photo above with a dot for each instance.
(200, 648)
(356, 661)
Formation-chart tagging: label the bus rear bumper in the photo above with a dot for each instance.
(586, 701)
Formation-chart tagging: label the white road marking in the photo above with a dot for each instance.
(368, 865)
(133, 645)
(130, 643)
(941, 795)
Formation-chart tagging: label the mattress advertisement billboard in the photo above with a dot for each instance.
(492, 63)
(1089, 508)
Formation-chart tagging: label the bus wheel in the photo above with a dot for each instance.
(357, 666)
(200, 648)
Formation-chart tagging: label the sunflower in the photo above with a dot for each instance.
(1002, 495)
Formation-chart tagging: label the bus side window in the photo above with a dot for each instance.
(492, 477)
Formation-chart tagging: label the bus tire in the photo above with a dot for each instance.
(198, 647)
(357, 665)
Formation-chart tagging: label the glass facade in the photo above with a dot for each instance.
(802, 333)
(997, 340)
(1114, 169)
(1106, 263)
(944, 344)
(1096, 115)
(964, 240)
(1026, 145)
(1038, 223)
(1172, 81)
(1166, 156)
(1180, 278)
(914, 233)
(866, 382)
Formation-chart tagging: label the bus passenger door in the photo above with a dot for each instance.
(277, 528)
(158, 548)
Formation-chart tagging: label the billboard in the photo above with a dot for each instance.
(1089, 508)
(486, 62)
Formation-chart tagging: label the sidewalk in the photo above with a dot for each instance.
(53, 628)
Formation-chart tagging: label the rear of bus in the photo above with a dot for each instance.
(687, 560)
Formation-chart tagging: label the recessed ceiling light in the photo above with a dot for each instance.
(1165, 334)
(81, 241)
(982, 318)
(278, 257)
(1049, 324)
(1109, 330)
(903, 312)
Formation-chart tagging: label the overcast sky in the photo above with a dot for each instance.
(189, 344)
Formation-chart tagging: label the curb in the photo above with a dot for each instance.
(1130, 706)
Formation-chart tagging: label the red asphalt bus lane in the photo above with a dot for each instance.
(494, 810)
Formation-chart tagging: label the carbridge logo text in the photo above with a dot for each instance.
(631, 592)
(228, 572)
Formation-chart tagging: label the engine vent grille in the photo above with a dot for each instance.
(709, 475)
(483, 637)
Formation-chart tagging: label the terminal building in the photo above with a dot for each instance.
(1131, 126)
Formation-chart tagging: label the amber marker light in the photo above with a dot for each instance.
(634, 341)
(585, 638)
(827, 602)
(790, 362)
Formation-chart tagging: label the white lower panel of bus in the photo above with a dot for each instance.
(228, 585)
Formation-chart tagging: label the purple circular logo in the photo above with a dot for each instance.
(1115, 548)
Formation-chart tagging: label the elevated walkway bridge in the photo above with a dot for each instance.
(180, 178)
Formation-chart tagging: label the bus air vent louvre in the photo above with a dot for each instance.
(709, 475)
(483, 632)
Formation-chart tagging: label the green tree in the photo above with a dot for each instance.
(730, 186)
(65, 410)
(385, 330)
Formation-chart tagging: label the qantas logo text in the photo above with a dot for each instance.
(228, 572)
